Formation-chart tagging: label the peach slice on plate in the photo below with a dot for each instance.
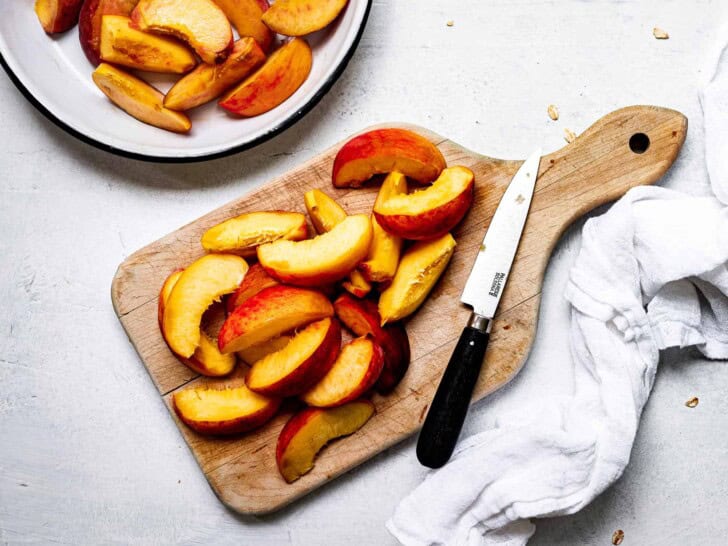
(138, 99)
(282, 74)
(362, 318)
(126, 46)
(300, 17)
(230, 408)
(323, 259)
(207, 81)
(384, 151)
(355, 371)
(309, 430)
(256, 280)
(381, 263)
(270, 313)
(253, 354)
(418, 271)
(57, 15)
(242, 234)
(200, 23)
(431, 212)
(200, 285)
(245, 15)
(300, 364)
(89, 23)
(207, 359)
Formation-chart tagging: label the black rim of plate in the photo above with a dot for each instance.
(285, 124)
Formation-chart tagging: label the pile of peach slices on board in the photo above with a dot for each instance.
(249, 76)
(277, 333)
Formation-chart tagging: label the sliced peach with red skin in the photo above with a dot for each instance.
(270, 313)
(245, 15)
(273, 83)
(201, 284)
(257, 279)
(418, 271)
(126, 46)
(309, 430)
(89, 23)
(432, 212)
(325, 213)
(200, 23)
(383, 258)
(207, 359)
(138, 99)
(57, 15)
(357, 284)
(362, 318)
(383, 151)
(243, 234)
(208, 81)
(224, 409)
(253, 354)
(355, 371)
(301, 363)
(301, 17)
(326, 258)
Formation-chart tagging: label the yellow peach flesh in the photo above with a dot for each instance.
(418, 271)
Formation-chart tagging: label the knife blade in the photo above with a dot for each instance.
(483, 291)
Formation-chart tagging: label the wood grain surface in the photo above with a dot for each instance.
(598, 167)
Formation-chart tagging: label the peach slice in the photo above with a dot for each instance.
(89, 23)
(202, 283)
(256, 280)
(418, 271)
(200, 23)
(300, 364)
(57, 15)
(325, 213)
(300, 17)
(381, 263)
(207, 359)
(357, 284)
(383, 151)
(270, 313)
(428, 213)
(274, 82)
(355, 371)
(126, 46)
(138, 99)
(242, 234)
(323, 259)
(362, 318)
(230, 408)
(245, 15)
(253, 354)
(309, 430)
(208, 81)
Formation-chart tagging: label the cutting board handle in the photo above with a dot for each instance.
(630, 147)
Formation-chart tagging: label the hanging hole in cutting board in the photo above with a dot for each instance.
(639, 142)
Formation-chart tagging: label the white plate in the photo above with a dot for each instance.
(54, 74)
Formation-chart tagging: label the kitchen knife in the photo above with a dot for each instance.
(482, 292)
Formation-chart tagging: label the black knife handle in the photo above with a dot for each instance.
(447, 412)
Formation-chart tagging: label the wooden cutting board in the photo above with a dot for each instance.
(598, 167)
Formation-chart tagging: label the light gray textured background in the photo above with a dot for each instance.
(88, 453)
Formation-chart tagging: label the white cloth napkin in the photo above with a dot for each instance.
(651, 274)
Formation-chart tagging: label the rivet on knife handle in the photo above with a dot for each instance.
(449, 407)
